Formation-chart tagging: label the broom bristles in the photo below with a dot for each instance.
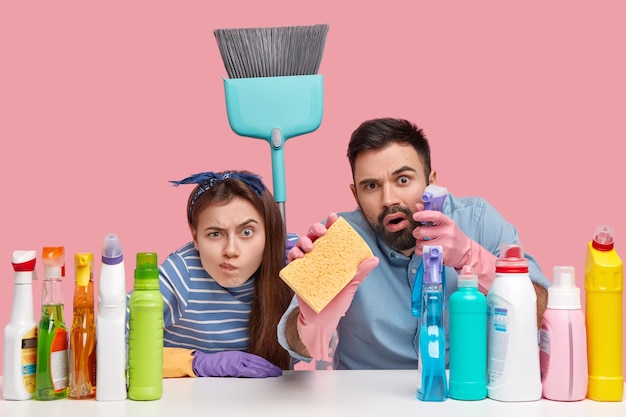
(272, 52)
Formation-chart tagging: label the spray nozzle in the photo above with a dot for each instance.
(83, 265)
(434, 196)
(53, 261)
(432, 258)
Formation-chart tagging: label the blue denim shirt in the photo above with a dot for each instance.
(379, 330)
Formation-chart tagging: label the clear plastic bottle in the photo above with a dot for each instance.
(145, 339)
(111, 322)
(563, 340)
(20, 334)
(468, 339)
(604, 287)
(82, 359)
(513, 350)
(52, 369)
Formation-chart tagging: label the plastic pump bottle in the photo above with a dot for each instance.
(82, 362)
(111, 323)
(513, 350)
(563, 340)
(468, 339)
(604, 286)
(432, 379)
(145, 340)
(20, 334)
(52, 369)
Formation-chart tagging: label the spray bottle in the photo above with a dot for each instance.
(604, 285)
(145, 338)
(468, 339)
(563, 340)
(111, 323)
(512, 347)
(20, 334)
(432, 382)
(433, 197)
(52, 370)
(82, 359)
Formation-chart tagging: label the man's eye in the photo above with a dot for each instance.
(404, 180)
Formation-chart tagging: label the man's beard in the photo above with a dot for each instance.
(401, 240)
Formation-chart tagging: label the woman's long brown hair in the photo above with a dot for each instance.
(271, 295)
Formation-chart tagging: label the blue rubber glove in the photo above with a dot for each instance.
(233, 363)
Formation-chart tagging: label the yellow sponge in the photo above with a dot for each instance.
(322, 273)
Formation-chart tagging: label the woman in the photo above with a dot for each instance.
(222, 291)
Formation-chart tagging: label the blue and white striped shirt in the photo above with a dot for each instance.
(199, 313)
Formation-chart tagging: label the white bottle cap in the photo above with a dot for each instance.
(563, 294)
(467, 278)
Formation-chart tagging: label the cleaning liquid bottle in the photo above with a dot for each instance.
(52, 369)
(433, 198)
(20, 334)
(82, 359)
(563, 340)
(145, 338)
(432, 380)
(468, 339)
(111, 323)
(512, 347)
(604, 286)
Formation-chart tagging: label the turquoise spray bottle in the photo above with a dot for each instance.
(432, 381)
(468, 339)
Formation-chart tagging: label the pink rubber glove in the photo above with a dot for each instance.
(317, 329)
(305, 243)
(458, 249)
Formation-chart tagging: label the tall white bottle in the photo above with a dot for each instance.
(513, 372)
(111, 323)
(20, 334)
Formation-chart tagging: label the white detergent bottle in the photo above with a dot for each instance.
(111, 323)
(513, 372)
(20, 334)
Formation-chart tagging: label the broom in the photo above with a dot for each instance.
(273, 92)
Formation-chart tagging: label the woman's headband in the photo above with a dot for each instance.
(206, 180)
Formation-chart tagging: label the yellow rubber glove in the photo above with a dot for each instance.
(177, 362)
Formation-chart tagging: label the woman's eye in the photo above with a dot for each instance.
(247, 232)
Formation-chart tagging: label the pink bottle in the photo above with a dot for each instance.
(563, 340)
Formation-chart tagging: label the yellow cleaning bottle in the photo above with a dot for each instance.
(604, 285)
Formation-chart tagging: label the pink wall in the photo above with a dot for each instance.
(101, 105)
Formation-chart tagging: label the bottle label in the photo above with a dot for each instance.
(544, 350)
(58, 360)
(29, 360)
(498, 323)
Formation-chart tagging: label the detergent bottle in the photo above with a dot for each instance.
(51, 382)
(563, 340)
(82, 359)
(111, 323)
(604, 286)
(513, 370)
(145, 340)
(20, 334)
(468, 339)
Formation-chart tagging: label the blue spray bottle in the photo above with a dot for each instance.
(433, 199)
(433, 384)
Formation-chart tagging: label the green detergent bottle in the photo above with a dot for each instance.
(145, 338)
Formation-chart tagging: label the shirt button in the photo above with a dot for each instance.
(413, 271)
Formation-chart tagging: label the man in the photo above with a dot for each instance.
(390, 161)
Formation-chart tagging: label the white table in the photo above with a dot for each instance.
(386, 393)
